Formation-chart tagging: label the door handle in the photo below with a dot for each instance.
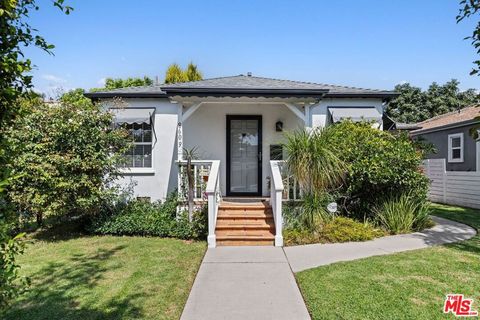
(260, 156)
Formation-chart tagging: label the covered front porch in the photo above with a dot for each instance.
(244, 134)
(239, 156)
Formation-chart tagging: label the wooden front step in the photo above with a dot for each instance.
(245, 224)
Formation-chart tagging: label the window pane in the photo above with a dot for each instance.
(147, 156)
(137, 135)
(147, 136)
(128, 161)
(456, 153)
(276, 152)
(138, 156)
(128, 158)
(455, 142)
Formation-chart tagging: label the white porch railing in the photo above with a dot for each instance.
(201, 171)
(291, 190)
(276, 191)
(206, 189)
(214, 197)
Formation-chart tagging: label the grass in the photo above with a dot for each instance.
(409, 285)
(107, 278)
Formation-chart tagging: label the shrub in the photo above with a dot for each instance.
(344, 229)
(151, 219)
(312, 162)
(317, 170)
(379, 163)
(339, 229)
(292, 237)
(11, 284)
(309, 213)
(67, 157)
(291, 215)
(402, 214)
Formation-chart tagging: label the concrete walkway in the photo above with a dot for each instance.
(245, 283)
(258, 283)
(314, 255)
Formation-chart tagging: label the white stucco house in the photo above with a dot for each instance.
(236, 124)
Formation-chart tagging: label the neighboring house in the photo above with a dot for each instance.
(450, 134)
(237, 120)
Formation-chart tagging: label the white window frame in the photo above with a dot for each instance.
(451, 148)
(129, 169)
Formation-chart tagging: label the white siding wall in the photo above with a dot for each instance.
(206, 129)
(452, 187)
(319, 112)
(163, 176)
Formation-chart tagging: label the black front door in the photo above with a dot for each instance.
(244, 155)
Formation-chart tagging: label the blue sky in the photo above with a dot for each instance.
(373, 44)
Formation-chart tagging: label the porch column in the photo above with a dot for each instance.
(179, 149)
(180, 133)
(307, 116)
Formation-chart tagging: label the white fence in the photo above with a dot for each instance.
(460, 188)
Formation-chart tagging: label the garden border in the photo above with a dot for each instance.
(309, 256)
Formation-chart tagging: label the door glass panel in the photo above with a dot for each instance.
(244, 156)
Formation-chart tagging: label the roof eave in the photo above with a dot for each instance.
(106, 95)
(446, 127)
(381, 95)
(239, 92)
(179, 91)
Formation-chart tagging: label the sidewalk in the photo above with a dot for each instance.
(258, 282)
(245, 283)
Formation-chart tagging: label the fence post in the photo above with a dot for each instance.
(444, 180)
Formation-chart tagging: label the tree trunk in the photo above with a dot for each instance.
(39, 219)
(190, 189)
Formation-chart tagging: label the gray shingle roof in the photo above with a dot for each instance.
(250, 84)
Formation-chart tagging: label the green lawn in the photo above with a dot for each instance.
(107, 278)
(410, 285)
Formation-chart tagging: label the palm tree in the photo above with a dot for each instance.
(316, 168)
(312, 162)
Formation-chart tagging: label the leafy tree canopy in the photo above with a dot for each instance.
(129, 82)
(15, 81)
(116, 83)
(470, 9)
(176, 74)
(414, 105)
(16, 34)
(192, 72)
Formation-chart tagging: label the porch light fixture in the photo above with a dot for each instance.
(279, 126)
